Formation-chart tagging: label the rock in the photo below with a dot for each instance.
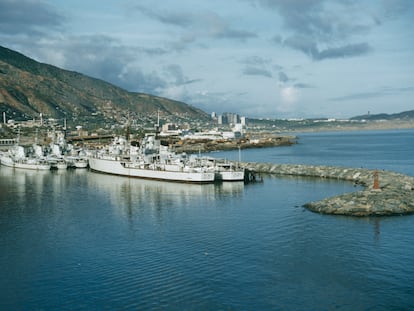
(395, 196)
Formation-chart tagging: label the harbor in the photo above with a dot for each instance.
(79, 239)
(148, 158)
(199, 155)
(383, 192)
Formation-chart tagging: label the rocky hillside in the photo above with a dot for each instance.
(28, 88)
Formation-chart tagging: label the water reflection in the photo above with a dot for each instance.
(129, 195)
(19, 184)
(78, 193)
(21, 187)
(78, 239)
(377, 229)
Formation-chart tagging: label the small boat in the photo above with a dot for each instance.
(57, 163)
(224, 170)
(229, 172)
(76, 161)
(81, 163)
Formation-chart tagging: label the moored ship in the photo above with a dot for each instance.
(149, 160)
(150, 171)
(224, 170)
(229, 172)
(16, 158)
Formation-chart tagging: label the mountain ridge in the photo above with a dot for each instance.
(28, 88)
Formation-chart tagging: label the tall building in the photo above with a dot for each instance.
(222, 119)
(228, 118)
(243, 121)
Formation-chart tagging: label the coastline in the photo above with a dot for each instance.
(387, 194)
(286, 137)
(264, 140)
(349, 127)
(394, 194)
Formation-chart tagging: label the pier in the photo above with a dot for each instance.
(384, 192)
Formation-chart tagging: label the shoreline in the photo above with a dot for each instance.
(389, 193)
(371, 126)
(261, 141)
(269, 139)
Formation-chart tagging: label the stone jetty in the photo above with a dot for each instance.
(384, 192)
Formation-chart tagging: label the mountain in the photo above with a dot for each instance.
(28, 88)
(406, 115)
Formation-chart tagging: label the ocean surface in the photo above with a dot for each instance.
(78, 240)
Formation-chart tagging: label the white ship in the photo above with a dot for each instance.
(57, 163)
(16, 158)
(224, 170)
(76, 161)
(62, 155)
(229, 172)
(148, 160)
(151, 171)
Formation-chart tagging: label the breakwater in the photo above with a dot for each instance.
(384, 192)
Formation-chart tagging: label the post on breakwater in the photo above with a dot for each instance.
(376, 186)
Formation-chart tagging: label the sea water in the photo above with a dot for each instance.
(76, 240)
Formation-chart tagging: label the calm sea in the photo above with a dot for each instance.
(78, 240)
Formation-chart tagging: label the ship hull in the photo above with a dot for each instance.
(230, 176)
(116, 167)
(24, 164)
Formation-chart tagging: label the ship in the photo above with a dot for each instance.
(16, 158)
(223, 169)
(76, 161)
(229, 172)
(148, 159)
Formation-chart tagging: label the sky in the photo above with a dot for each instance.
(258, 58)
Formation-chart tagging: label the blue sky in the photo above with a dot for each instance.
(259, 58)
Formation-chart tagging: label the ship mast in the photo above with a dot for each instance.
(157, 126)
(128, 127)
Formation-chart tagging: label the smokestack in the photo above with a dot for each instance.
(4, 117)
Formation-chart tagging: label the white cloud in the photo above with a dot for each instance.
(176, 92)
(289, 96)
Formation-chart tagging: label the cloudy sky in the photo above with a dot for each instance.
(259, 58)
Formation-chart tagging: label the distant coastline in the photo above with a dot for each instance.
(368, 126)
(290, 137)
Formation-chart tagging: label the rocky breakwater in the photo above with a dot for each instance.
(384, 193)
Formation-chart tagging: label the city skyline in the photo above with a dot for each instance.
(259, 58)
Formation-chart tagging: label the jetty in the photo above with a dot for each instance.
(384, 192)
